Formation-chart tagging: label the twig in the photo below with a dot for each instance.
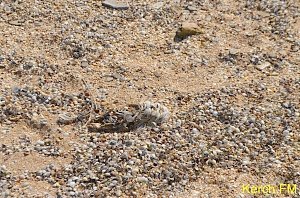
(93, 107)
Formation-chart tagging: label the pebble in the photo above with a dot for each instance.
(195, 193)
(40, 142)
(71, 184)
(115, 5)
(191, 8)
(118, 193)
(263, 66)
(142, 179)
(84, 63)
(158, 5)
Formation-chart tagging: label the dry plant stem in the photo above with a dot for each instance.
(92, 103)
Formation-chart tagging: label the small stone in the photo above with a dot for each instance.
(165, 127)
(211, 162)
(286, 133)
(28, 65)
(142, 179)
(178, 123)
(156, 129)
(215, 113)
(56, 185)
(191, 8)
(113, 142)
(118, 193)
(232, 129)
(233, 51)
(195, 193)
(246, 161)
(109, 78)
(195, 131)
(263, 66)
(158, 5)
(84, 63)
(40, 142)
(72, 184)
(115, 5)
(286, 105)
(128, 143)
